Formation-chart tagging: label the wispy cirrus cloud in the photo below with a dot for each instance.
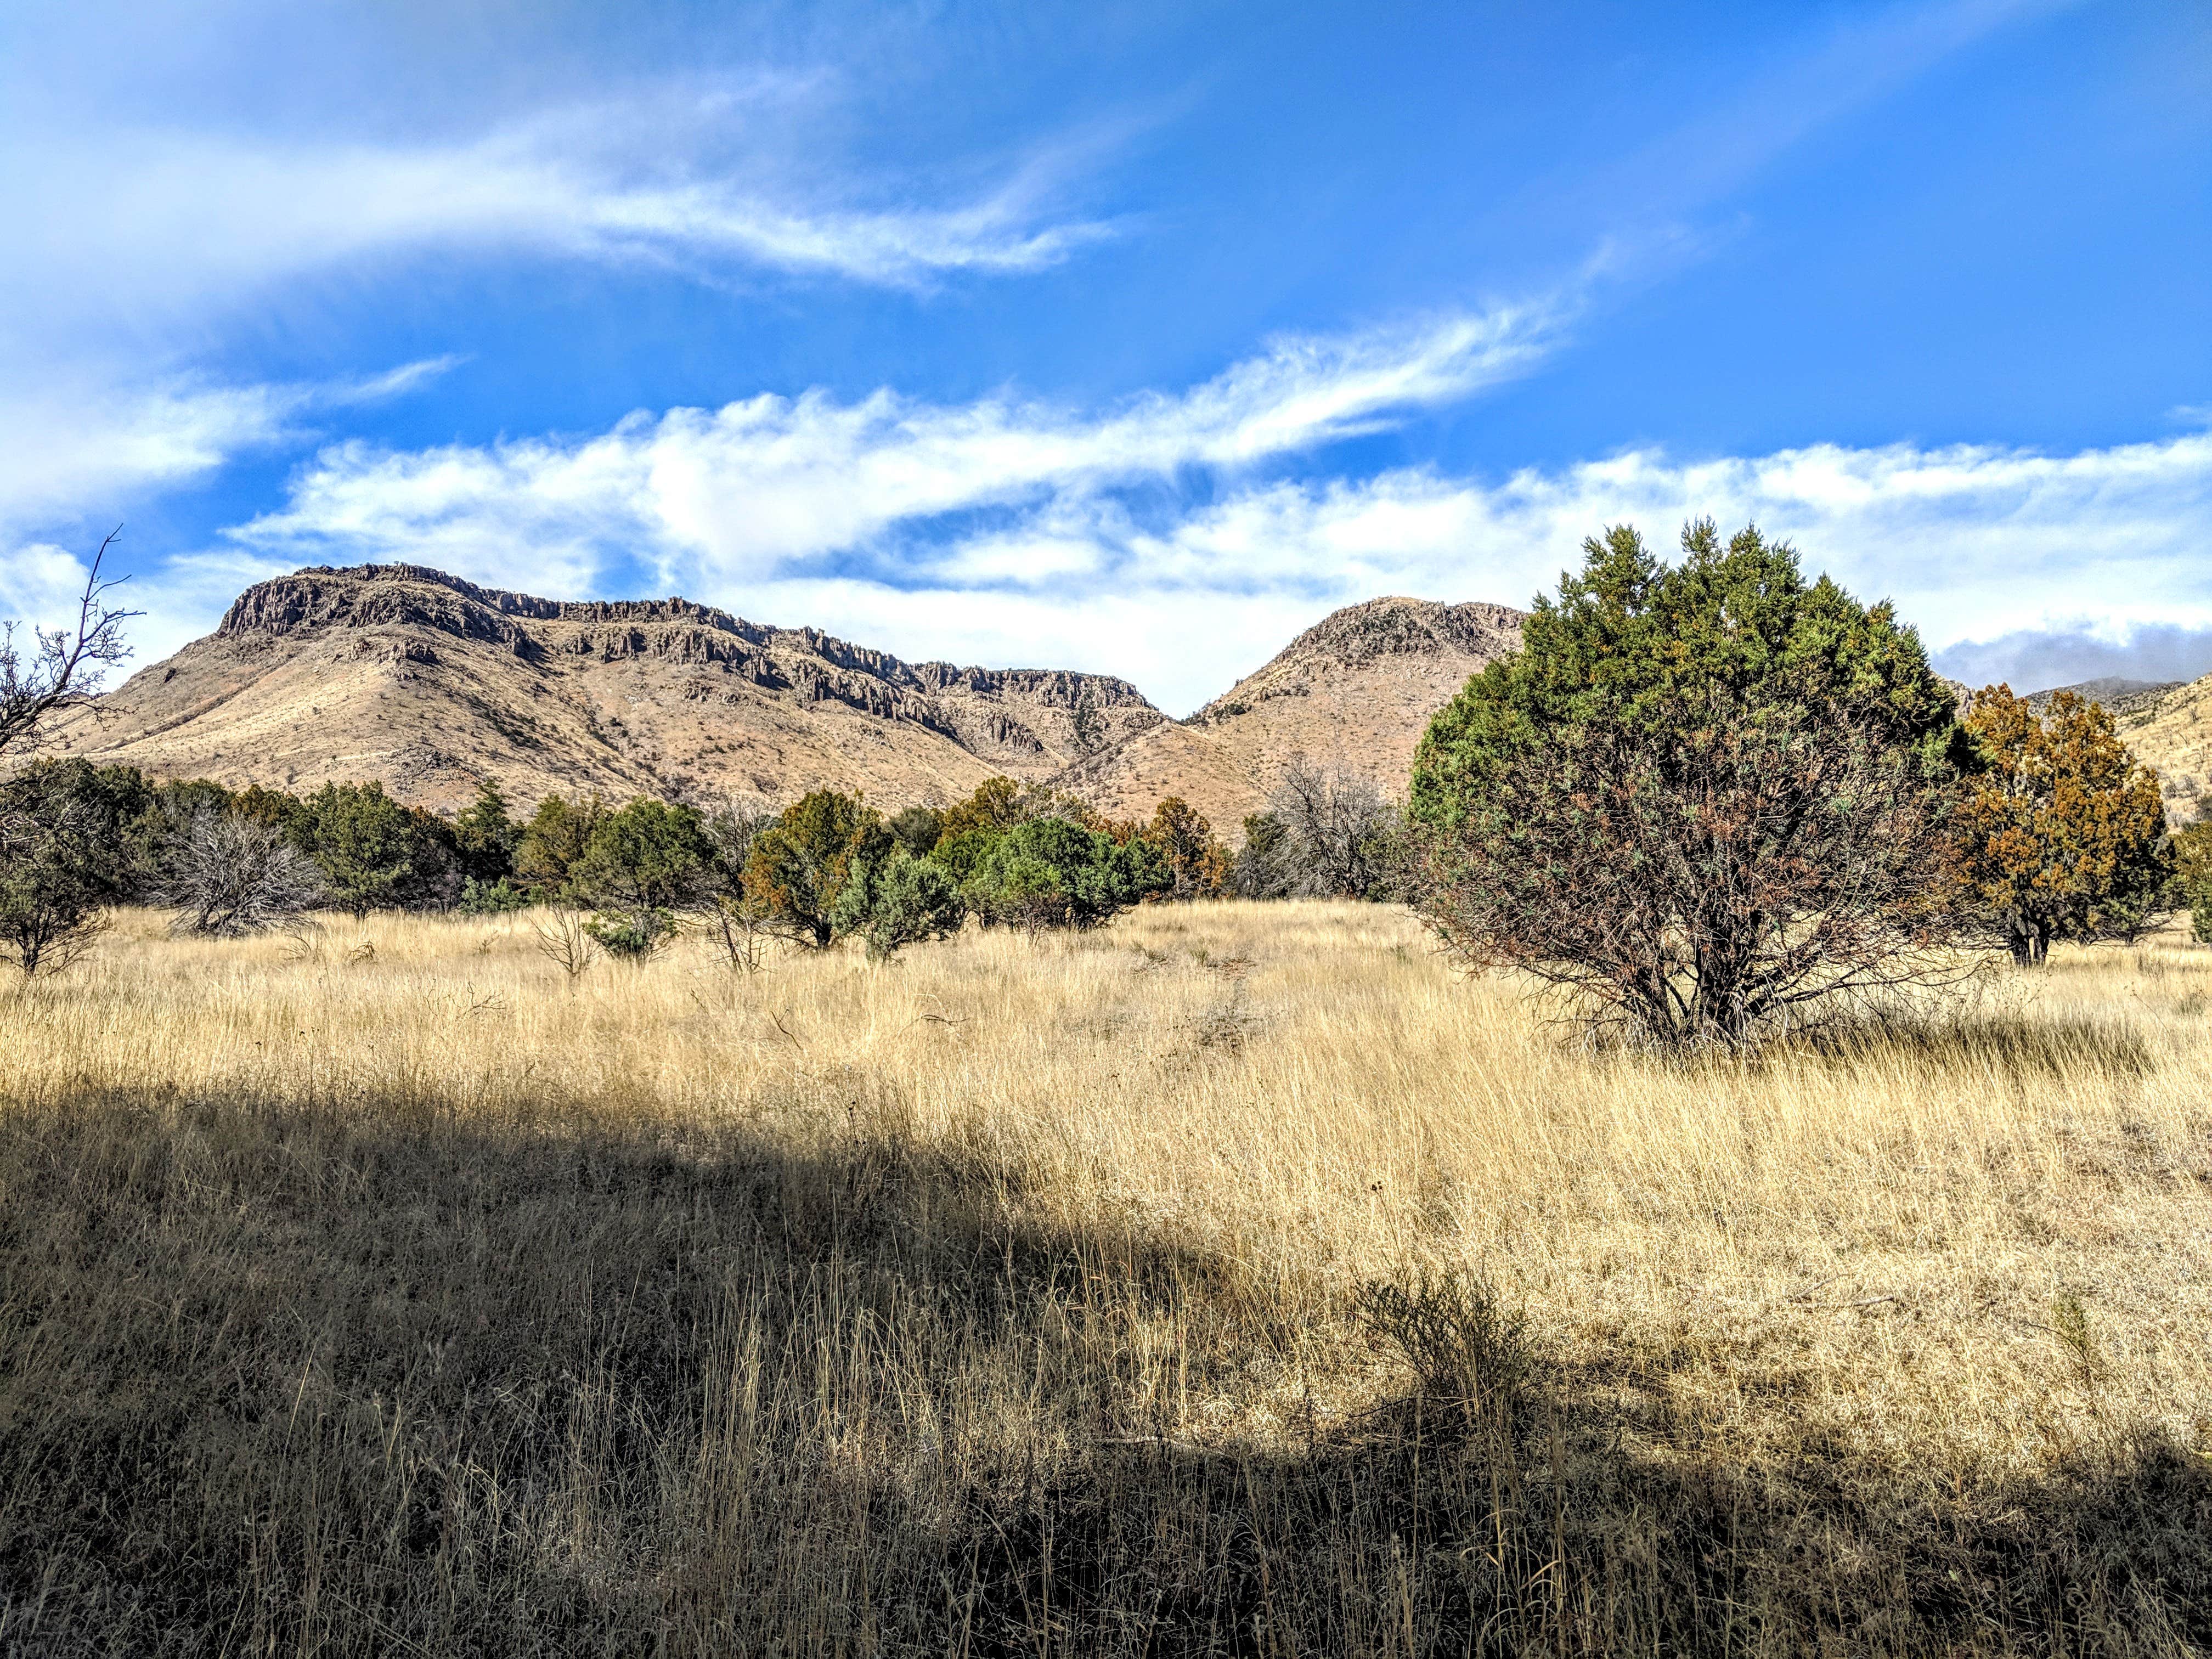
(195, 227)
(195, 221)
(70, 442)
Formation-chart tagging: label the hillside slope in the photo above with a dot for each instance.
(429, 683)
(2171, 728)
(1354, 692)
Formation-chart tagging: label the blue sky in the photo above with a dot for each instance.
(1126, 337)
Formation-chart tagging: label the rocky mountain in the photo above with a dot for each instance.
(2113, 691)
(1354, 692)
(2170, 727)
(429, 683)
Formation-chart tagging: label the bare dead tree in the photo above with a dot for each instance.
(564, 938)
(1763, 876)
(61, 668)
(232, 875)
(1339, 826)
(740, 925)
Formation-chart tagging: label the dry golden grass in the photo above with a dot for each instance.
(1022, 1296)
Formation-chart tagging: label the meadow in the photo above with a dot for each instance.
(1234, 1279)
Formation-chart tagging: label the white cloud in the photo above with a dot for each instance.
(130, 248)
(40, 585)
(739, 493)
(192, 222)
(77, 445)
(1081, 547)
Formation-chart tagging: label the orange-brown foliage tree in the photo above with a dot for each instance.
(2062, 833)
(1200, 861)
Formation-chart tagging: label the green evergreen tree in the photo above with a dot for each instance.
(799, 867)
(486, 835)
(917, 830)
(66, 854)
(553, 840)
(1054, 872)
(1704, 801)
(898, 900)
(642, 867)
(365, 844)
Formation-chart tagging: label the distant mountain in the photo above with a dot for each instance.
(2113, 691)
(1354, 692)
(430, 683)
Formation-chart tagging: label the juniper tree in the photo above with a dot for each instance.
(2062, 834)
(1703, 801)
(66, 855)
(797, 867)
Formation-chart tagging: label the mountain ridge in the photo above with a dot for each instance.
(428, 683)
(431, 683)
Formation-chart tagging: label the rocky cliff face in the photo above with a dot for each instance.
(431, 683)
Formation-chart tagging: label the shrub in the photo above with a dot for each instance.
(232, 874)
(365, 844)
(65, 855)
(1052, 873)
(797, 867)
(496, 898)
(738, 924)
(1263, 868)
(61, 668)
(485, 837)
(1702, 801)
(641, 865)
(896, 901)
(996, 805)
(917, 830)
(1335, 833)
(555, 838)
(1197, 862)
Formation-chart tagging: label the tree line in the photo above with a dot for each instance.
(76, 839)
(1703, 801)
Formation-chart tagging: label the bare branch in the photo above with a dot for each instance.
(61, 670)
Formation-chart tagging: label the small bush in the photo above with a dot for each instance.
(634, 935)
(1461, 1343)
(898, 900)
(493, 898)
(1054, 872)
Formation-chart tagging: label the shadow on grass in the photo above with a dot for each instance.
(375, 1379)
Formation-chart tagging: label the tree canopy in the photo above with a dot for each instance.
(797, 868)
(1703, 800)
(2062, 833)
(364, 842)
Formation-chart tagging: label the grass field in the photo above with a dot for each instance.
(1235, 1279)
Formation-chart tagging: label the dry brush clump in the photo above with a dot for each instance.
(987, 1302)
(231, 875)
